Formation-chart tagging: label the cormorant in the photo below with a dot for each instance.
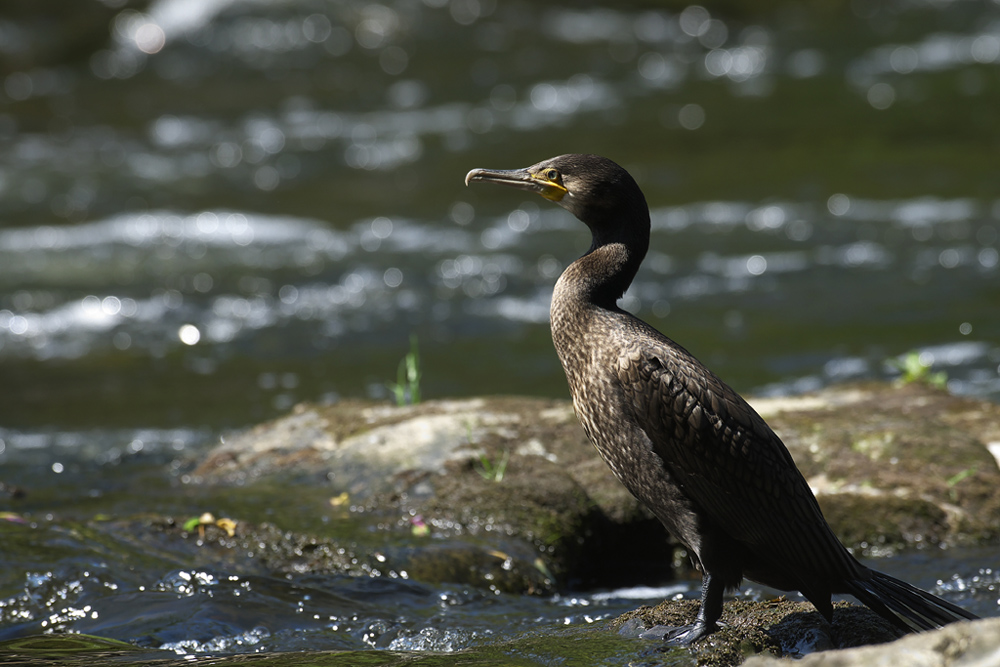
(679, 438)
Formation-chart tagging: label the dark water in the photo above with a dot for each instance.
(210, 210)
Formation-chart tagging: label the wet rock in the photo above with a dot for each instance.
(512, 475)
(776, 628)
(265, 549)
(481, 488)
(970, 643)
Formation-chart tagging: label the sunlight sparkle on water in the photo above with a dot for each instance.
(189, 334)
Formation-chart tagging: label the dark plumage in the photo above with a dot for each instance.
(679, 438)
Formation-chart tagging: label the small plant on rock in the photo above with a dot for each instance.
(492, 472)
(406, 388)
(915, 368)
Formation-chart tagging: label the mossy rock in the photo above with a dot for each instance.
(777, 628)
(892, 467)
(265, 549)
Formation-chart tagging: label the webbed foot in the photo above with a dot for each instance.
(679, 635)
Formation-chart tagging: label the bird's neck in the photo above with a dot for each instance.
(600, 277)
(584, 299)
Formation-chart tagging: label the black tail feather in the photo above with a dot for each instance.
(907, 607)
(874, 602)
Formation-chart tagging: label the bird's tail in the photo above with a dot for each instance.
(907, 607)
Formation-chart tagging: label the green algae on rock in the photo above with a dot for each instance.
(777, 628)
(892, 468)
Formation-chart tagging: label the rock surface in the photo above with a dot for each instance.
(774, 628)
(891, 466)
(507, 494)
(516, 474)
(973, 644)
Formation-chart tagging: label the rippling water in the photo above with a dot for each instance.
(210, 210)
(231, 192)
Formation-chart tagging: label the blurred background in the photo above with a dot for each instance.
(213, 209)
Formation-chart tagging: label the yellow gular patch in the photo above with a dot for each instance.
(551, 190)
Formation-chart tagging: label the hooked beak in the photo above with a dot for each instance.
(522, 179)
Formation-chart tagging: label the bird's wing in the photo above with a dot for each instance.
(725, 457)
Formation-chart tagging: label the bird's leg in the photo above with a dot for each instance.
(712, 591)
(705, 624)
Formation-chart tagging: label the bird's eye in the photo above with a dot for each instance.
(552, 174)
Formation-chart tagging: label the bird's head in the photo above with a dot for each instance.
(593, 188)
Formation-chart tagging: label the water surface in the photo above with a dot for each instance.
(210, 211)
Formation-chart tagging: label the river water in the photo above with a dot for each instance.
(213, 209)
